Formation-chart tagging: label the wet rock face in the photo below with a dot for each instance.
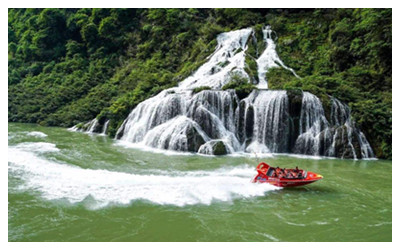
(168, 109)
(346, 144)
(249, 122)
(245, 121)
(295, 100)
(357, 146)
(179, 134)
(341, 146)
(214, 147)
(120, 131)
(219, 148)
(240, 123)
(194, 140)
(205, 121)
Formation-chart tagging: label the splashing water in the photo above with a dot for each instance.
(57, 180)
(37, 134)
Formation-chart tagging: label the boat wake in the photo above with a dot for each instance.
(61, 181)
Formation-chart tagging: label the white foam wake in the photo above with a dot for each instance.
(37, 134)
(56, 180)
(38, 147)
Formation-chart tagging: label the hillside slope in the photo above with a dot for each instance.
(70, 65)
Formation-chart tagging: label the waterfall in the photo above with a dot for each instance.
(228, 58)
(174, 116)
(366, 150)
(269, 59)
(152, 112)
(180, 134)
(340, 113)
(88, 127)
(337, 138)
(270, 128)
(341, 119)
(92, 125)
(217, 122)
(105, 126)
(312, 124)
(74, 128)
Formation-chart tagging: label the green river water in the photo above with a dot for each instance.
(71, 186)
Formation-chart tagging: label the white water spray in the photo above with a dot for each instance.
(61, 181)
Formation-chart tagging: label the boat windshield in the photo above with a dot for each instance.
(270, 171)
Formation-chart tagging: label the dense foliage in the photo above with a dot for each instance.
(70, 65)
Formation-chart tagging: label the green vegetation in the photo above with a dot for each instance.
(240, 84)
(67, 66)
(219, 148)
(199, 89)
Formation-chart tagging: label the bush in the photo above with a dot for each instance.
(199, 89)
(240, 84)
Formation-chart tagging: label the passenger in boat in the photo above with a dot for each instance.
(299, 174)
(290, 175)
(296, 170)
(285, 172)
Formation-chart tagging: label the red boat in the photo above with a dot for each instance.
(284, 177)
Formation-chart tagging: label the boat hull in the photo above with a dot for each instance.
(285, 183)
(262, 177)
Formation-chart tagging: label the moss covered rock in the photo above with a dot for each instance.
(214, 147)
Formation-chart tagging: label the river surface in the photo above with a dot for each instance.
(72, 186)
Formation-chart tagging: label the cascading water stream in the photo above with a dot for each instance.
(341, 118)
(92, 125)
(269, 59)
(105, 127)
(312, 124)
(270, 121)
(228, 58)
